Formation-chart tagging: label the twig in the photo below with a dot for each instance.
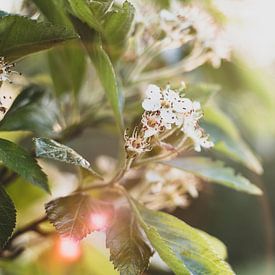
(30, 227)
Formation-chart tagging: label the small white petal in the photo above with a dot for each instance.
(167, 115)
(151, 105)
(196, 106)
(153, 91)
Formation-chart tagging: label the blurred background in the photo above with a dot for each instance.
(244, 223)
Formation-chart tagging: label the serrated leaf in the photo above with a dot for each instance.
(50, 149)
(28, 113)
(215, 171)
(21, 36)
(103, 66)
(179, 245)
(21, 162)
(7, 217)
(71, 215)
(129, 251)
(227, 139)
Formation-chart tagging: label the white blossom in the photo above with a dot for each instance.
(183, 23)
(152, 100)
(7, 96)
(169, 188)
(152, 124)
(166, 108)
(198, 136)
(168, 103)
(6, 69)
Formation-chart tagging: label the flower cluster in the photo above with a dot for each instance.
(182, 24)
(169, 188)
(165, 109)
(6, 69)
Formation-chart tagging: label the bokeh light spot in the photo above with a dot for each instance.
(99, 221)
(69, 249)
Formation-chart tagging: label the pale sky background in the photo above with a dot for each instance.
(251, 27)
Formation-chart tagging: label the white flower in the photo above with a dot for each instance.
(152, 124)
(7, 96)
(152, 99)
(136, 144)
(168, 103)
(169, 188)
(198, 136)
(166, 108)
(184, 23)
(5, 69)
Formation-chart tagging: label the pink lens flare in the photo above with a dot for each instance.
(69, 249)
(99, 221)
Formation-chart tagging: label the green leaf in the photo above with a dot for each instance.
(129, 251)
(215, 171)
(71, 215)
(100, 9)
(54, 11)
(21, 36)
(116, 27)
(179, 245)
(21, 162)
(7, 217)
(216, 245)
(67, 66)
(112, 22)
(67, 63)
(103, 66)
(89, 14)
(28, 113)
(48, 148)
(227, 139)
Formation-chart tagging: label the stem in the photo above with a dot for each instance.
(10, 252)
(92, 187)
(7, 180)
(180, 147)
(144, 59)
(168, 133)
(122, 172)
(30, 227)
(195, 60)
